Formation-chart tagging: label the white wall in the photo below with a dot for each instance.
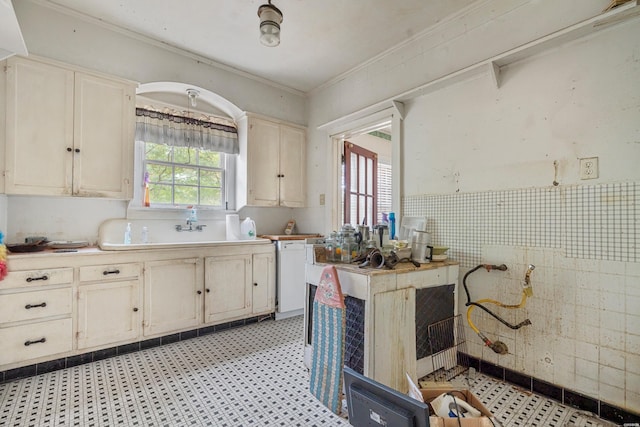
(581, 100)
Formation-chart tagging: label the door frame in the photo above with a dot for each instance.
(340, 130)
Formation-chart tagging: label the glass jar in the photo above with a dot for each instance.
(347, 248)
(330, 249)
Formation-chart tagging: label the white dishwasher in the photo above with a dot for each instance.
(290, 279)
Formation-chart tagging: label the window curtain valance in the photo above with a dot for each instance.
(215, 133)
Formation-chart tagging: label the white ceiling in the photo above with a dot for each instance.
(320, 39)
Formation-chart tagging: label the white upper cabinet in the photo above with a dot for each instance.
(68, 132)
(275, 164)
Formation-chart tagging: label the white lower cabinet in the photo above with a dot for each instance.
(227, 287)
(109, 298)
(263, 283)
(172, 295)
(54, 306)
(36, 309)
(35, 340)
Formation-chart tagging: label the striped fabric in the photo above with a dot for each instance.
(327, 341)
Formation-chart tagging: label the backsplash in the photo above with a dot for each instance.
(593, 222)
(583, 241)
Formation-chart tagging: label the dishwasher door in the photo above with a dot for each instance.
(291, 256)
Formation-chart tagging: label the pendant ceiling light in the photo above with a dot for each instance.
(193, 96)
(270, 19)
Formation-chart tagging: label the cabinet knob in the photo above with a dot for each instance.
(77, 150)
(255, 284)
(199, 292)
(135, 309)
(208, 290)
(69, 149)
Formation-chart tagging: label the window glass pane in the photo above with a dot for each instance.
(211, 196)
(160, 193)
(160, 173)
(369, 176)
(158, 152)
(210, 158)
(210, 178)
(186, 195)
(370, 219)
(354, 210)
(361, 175)
(184, 155)
(185, 175)
(354, 173)
(361, 210)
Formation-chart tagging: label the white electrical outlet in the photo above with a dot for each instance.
(589, 168)
(322, 199)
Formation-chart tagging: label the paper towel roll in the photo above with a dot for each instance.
(233, 227)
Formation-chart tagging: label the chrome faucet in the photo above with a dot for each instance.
(180, 227)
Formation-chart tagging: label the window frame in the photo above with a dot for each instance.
(228, 186)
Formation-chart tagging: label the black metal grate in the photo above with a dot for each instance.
(433, 305)
(354, 339)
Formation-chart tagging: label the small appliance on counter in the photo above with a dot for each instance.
(421, 249)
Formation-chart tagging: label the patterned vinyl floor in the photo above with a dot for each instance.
(249, 376)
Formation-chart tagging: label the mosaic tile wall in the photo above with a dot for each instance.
(583, 240)
(593, 222)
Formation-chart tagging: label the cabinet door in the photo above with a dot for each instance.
(228, 287)
(264, 275)
(103, 137)
(108, 313)
(39, 128)
(263, 160)
(173, 295)
(292, 167)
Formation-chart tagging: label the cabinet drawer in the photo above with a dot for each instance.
(52, 276)
(95, 273)
(35, 340)
(35, 304)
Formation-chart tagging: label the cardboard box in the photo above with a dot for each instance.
(460, 393)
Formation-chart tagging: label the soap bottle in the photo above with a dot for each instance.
(193, 215)
(127, 234)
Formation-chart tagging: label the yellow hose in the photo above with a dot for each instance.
(523, 301)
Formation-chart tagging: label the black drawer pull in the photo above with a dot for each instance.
(107, 272)
(199, 292)
(31, 279)
(28, 306)
(41, 340)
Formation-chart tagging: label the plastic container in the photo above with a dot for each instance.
(248, 229)
(144, 237)
(127, 234)
(193, 215)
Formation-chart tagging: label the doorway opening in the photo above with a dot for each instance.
(366, 175)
